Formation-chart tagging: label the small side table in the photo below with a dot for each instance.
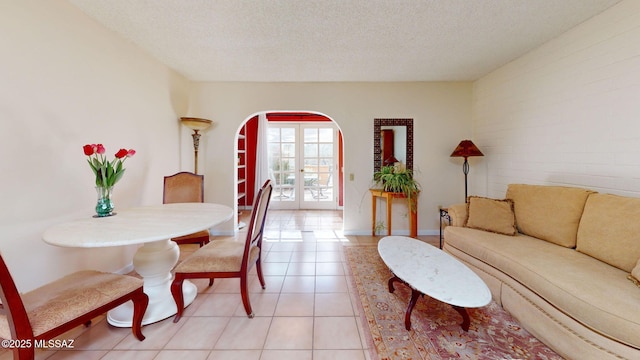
(444, 216)
(389, 196)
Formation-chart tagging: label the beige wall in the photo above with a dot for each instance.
(441, 113)
(567, 113)
(67, 81)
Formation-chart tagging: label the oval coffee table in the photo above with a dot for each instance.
(430, 271)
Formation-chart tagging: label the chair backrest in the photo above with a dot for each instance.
(183, 187)
(12, 306)
(325, 179)
(258, 217)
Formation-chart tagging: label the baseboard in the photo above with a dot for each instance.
(395, 232)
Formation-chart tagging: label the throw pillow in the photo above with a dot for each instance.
(635, 274)
(609, 230)
(491, 215)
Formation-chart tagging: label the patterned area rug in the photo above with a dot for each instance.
(435, 327)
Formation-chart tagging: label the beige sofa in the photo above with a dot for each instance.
(565, 273)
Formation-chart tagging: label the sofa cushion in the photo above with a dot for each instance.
(457, 214)
(550, 213)
(491, 215)
(610, 230)
(590, 291)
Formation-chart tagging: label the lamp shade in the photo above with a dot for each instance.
(465, 149)
(196, 124)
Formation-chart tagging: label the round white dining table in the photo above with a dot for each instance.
(152, 226)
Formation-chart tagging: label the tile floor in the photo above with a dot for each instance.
(308, 310)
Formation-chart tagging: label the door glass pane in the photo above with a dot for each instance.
(282, 162)
(318, 164)
(326, 150)
(274, 135)
(289, 135)
(310, 135)
(289, 150)
(310, 165)
(326, 135)
(310, 150)
(274, 150)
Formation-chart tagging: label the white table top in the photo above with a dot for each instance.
(138, 225)
(433, 272)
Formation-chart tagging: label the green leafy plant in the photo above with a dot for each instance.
(399, 181)
(379, 227)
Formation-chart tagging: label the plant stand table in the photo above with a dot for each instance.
(389, 196)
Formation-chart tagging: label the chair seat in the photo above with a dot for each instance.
(68, 298)
(217, 256)
(227, 258)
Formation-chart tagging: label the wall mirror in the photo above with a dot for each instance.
(392, 140)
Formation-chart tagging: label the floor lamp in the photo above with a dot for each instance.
(465, 149)
(196, 124)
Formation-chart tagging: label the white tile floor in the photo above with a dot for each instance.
(308, 310)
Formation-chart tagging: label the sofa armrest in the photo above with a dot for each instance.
(458, 214)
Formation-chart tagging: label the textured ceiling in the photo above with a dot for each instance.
(339, 40)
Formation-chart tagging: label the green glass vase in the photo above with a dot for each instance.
(104, 207)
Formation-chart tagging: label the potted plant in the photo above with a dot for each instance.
(393, 179)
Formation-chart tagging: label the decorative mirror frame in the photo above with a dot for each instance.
(377, 149)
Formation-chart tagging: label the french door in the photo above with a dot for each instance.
(302, 165)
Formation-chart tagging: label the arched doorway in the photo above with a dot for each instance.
(305, 161)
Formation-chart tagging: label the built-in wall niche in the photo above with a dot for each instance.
(392, 139)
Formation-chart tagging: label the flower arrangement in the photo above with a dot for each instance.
(107, 173)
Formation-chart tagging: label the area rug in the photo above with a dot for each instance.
(435, 327)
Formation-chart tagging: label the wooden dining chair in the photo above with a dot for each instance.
(186, 187)
(227, 258)
(40, 315)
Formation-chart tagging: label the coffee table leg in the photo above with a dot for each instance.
(391, 281)
(412, 303)
(407, 317)
(465, 317)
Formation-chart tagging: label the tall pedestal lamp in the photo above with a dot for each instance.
(465, 149)
(196, 124)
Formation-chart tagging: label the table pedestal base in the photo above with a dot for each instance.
(414, 298)
(154, 262)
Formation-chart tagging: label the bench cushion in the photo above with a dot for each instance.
(70, 297)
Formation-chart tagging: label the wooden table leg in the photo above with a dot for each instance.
(391, 281)
(389, 203)
(373, 215)
(466, 321)
(465, 317)
(407, 316)
(412, 303)
(413, 218)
